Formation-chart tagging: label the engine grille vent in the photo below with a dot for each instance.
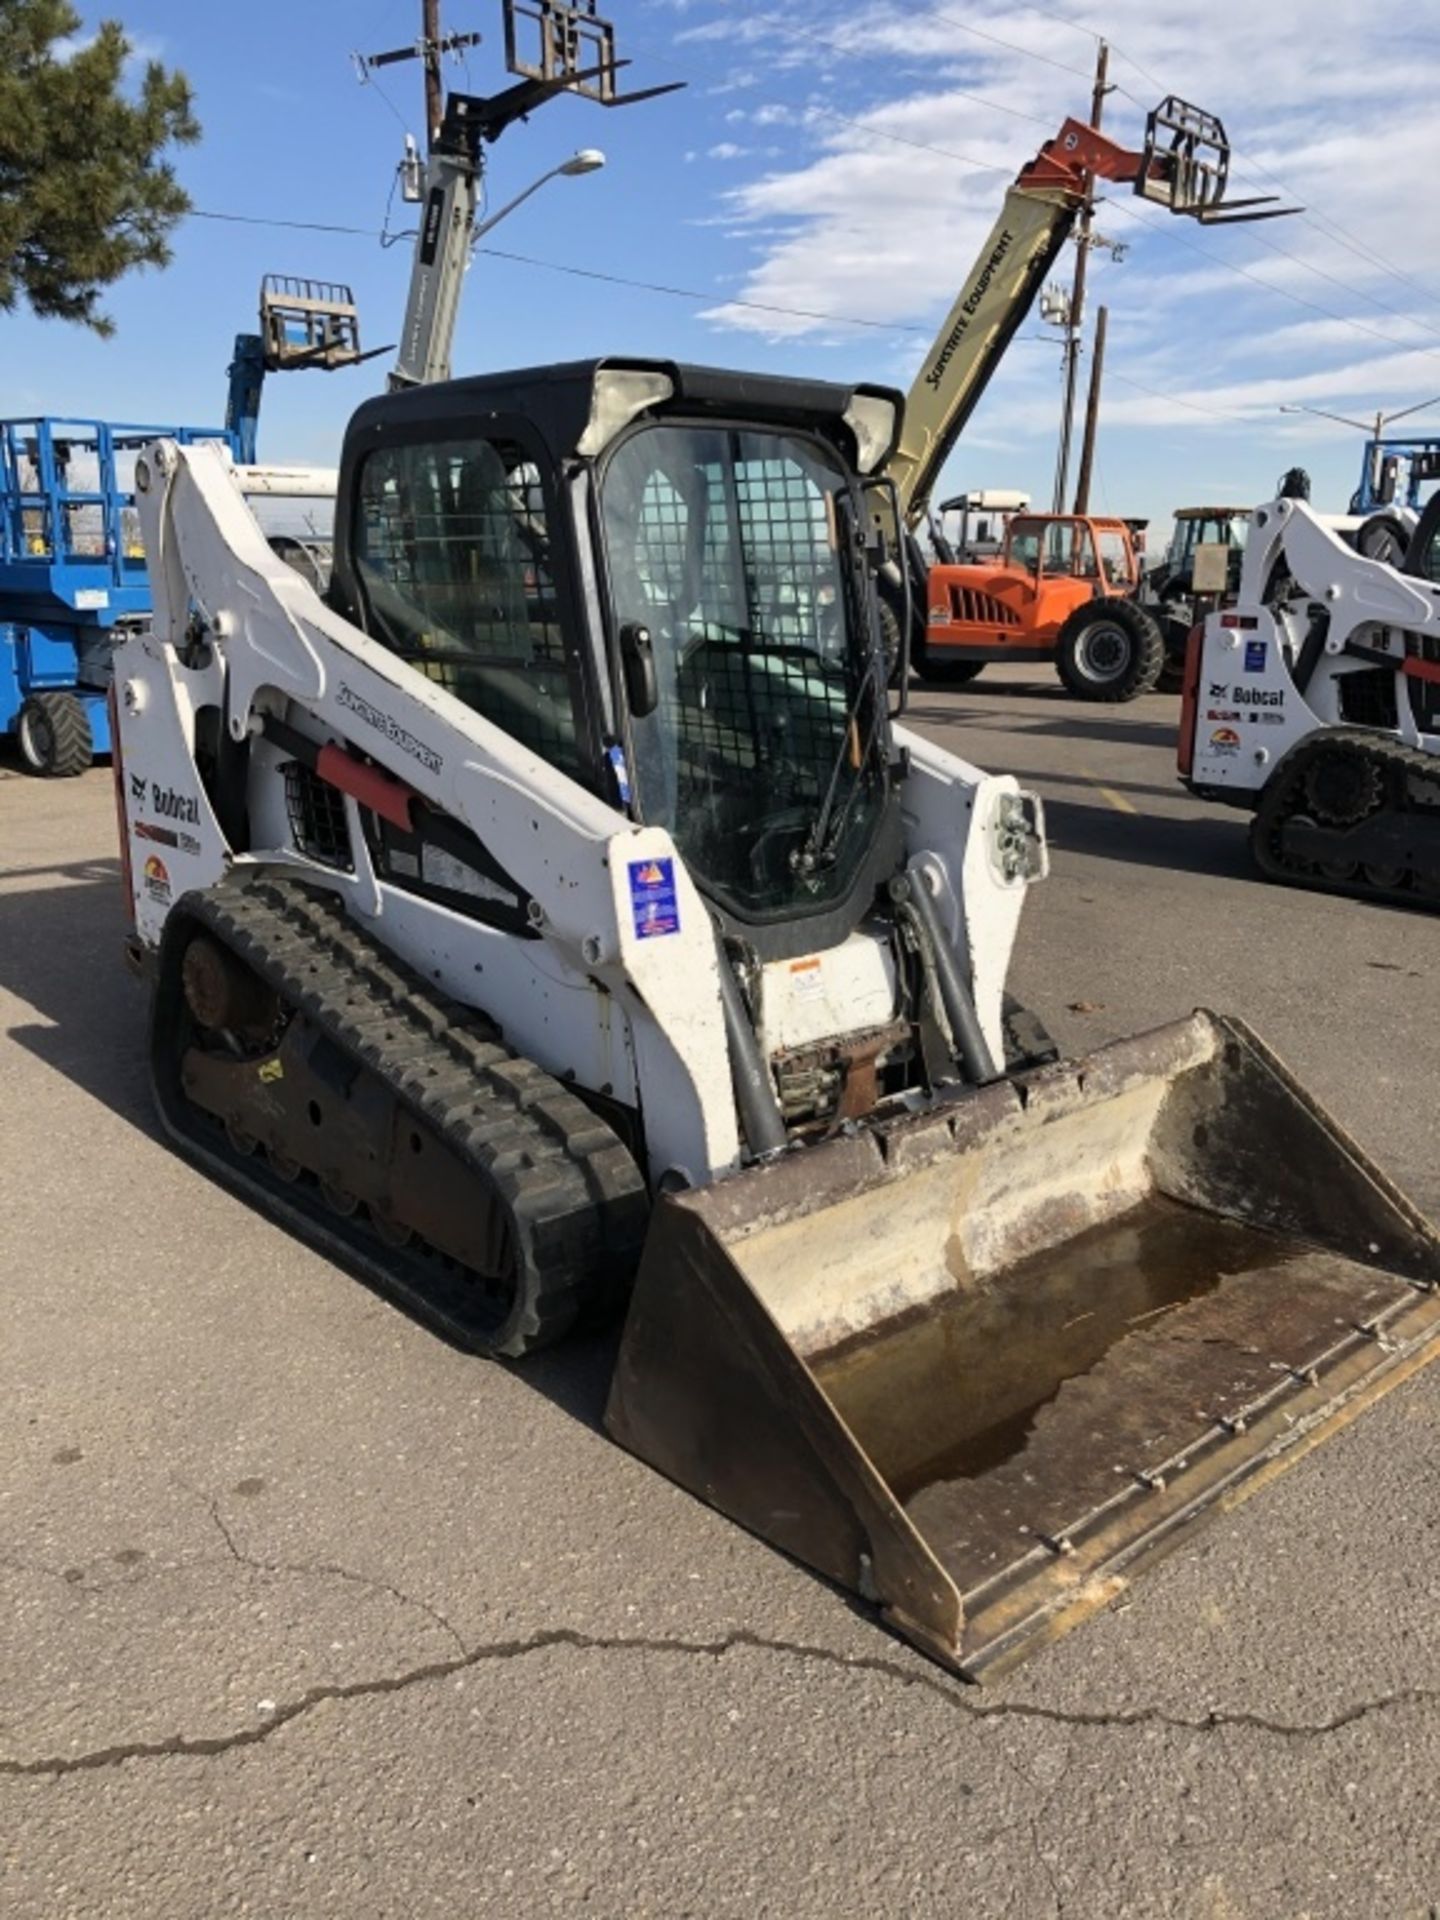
(318, 823)
(973, 608)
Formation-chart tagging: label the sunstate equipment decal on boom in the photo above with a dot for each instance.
(972, 302)
(382, 723)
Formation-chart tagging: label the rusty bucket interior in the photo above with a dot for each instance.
(976, 1363)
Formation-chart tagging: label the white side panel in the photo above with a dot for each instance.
(1249, 712)
(174, 842)
(953, 827)
(822, 995)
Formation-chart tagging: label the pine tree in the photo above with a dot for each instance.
(85, 191)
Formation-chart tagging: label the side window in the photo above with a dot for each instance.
(1025, 547)
(1114, 558)
(453, 553)
(1060, 547)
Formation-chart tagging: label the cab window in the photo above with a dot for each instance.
(1025, 545)
(454, 560)
(1114, 557)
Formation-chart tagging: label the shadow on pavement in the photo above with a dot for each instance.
(1215, 847)
(1159, 733)
(60, 954)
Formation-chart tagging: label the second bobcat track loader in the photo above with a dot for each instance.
(1313, 702)
(554, 913)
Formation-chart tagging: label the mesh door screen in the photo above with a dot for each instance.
(454, 554)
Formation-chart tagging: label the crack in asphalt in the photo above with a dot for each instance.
(178, 1746)
(243, 1559)
(81, 1576)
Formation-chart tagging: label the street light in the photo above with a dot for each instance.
(587, 160)
(1375, 434)
(1382, 420)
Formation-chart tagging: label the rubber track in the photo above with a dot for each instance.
(1393, 757)
(575, 1196)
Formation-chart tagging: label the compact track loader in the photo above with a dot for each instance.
(556, 914)
(1314, 703)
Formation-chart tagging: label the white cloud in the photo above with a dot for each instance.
(902, 125)
(881, 225)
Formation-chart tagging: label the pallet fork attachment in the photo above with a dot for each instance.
(1186, 168)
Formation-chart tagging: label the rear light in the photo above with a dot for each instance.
(1190, 700)
(1240, 622)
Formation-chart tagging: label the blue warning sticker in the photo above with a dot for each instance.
(1255, 656)
(652, 896)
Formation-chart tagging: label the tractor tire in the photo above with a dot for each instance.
(53, 735)
(889, 640)
(1385, 537)
(1110, 650)
(935, 670)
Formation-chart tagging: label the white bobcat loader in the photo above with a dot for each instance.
(554, 915)
(1314, 702)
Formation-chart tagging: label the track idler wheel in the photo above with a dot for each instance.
(222, 993)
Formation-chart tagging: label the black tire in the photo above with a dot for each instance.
(889, 640)
(935, 670)
(53, 735)
(1110, 650)
(1384, 536)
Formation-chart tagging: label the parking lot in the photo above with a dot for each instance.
(307, 1613)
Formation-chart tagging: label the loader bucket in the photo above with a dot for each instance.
(976, 1364)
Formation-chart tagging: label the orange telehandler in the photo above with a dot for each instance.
(1061, 587)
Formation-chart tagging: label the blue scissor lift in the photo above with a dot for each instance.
(72, 578)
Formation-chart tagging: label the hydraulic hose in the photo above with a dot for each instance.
(754, 1092)
(910, 893)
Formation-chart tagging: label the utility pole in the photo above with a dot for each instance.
(1077, 297)
(430, 48)
(1092, 414)
(430, 53)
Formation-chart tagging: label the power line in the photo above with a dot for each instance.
(1284, 293)
(810, 39)
(584, 273)
(692, 293)
(1220, 260)
(678, 293)
(1322, 223)
(1011, 46)
(1175, 399)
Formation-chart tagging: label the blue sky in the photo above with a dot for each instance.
(846, 163)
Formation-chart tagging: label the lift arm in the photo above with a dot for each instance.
(1183, 166)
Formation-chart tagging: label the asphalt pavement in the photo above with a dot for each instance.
(306, 1613)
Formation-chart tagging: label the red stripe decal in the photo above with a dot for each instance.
(371, 786)
(1423, 670)
(117, 768)
(1190, 700)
